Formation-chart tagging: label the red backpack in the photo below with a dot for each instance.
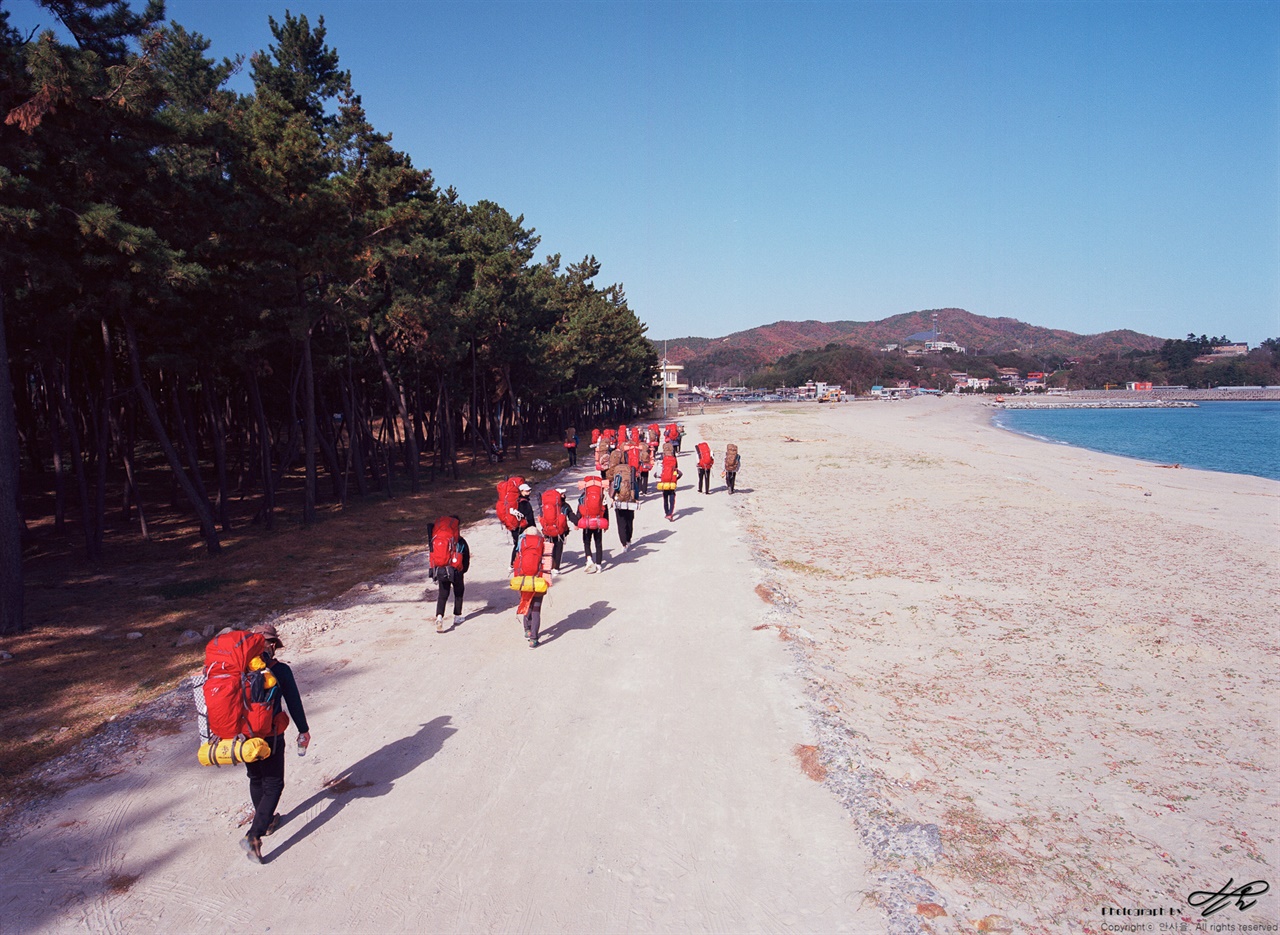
(592, 513)
(668, 471)
(633, 457)
(239, 696)
(635, 435)
(446, 553)
(673, 431)
(595, 437)
(704, 455)
(554, 522)
(528, 556)
(508, 499)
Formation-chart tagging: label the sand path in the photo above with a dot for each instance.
(636, 772)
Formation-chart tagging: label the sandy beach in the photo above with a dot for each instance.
(917, 675)
(1065, 661)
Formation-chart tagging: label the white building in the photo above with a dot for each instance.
(668, 378)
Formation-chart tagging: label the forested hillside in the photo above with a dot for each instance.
(245, 286)
(729, 359)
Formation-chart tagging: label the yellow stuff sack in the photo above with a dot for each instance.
(667, 485)
(535, 583)
(231, 752)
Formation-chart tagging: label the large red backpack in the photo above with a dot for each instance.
(704, 455)
(554, 522)
(622, 435)
(592, 513)
(528, 556)
(446, 553)
(595, 437)
(673, 432)
(239, 690)
(508, 499)
(635, 435)
(668, 471)
(633, 456)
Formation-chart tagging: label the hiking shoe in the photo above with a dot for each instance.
(252, 848)
(458, 618)
(533, 644)
(439, 624)
(591, 567)
(275, 823)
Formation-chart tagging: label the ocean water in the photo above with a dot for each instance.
(1236, 437)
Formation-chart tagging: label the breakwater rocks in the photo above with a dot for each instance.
(1094, 404)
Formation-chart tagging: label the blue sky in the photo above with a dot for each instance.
(1085, 166)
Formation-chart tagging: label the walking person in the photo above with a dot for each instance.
(645, 454)
(571, 445)
(554, 521)
(732, 462)
(449, 561)
(593, 519)
(620, 482)
(523, 515)
(705, 462)
(667, 481)
(266, 776)
(531, 576)
(602, 452)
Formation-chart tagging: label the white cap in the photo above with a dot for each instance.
(525, 487)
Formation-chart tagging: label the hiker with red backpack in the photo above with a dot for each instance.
(531, 576)
(705, 461)
(522, 513)
(554, 521)
(668, 479)
(245, 689)
(593, 519)
(448, 562)
(571, 445)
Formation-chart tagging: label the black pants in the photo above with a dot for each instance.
(557, 550)
(515, 544)
(573, 456)
(589, 536)
(442, 598)
(669, 502)
(729, 478)
(533, 619)
(266, 785)
(704, 480)
(625, 520)
(642, 483)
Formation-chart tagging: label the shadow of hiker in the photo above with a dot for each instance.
(687, 511)
(582, 619)
(657, 536)
(370, 777)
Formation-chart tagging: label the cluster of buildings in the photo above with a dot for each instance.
(1223, 352)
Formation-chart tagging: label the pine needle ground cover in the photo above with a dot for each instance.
(76, 668)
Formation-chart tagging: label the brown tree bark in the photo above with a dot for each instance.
(204, 514)
(12, 592)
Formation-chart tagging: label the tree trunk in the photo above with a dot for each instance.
(395, 393)
(203, 511)
(309, 431)
(77, 458)
(267, 511)
(12, 592)
(218, 430)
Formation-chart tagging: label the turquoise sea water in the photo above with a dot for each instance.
(1236, 437)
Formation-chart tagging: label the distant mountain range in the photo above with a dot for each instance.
(758, 347)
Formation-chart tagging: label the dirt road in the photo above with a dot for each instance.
(635, 772)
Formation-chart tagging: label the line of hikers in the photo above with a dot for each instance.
(624, 459)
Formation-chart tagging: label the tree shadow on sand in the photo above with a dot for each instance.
(582, 619)
(373, 776)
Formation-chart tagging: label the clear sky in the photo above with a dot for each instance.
(1079, 165)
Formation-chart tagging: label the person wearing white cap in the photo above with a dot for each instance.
(525, 509)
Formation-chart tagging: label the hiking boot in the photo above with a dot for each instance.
(252, 848)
